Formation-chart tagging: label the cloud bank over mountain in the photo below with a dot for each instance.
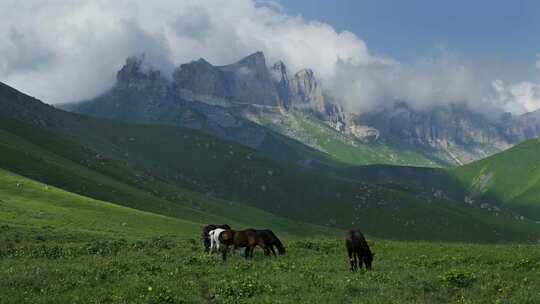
(66, 50)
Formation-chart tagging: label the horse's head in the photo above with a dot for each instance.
(368, 260)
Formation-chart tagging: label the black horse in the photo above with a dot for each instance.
(358, 250)
(206, 237)
(271, 241)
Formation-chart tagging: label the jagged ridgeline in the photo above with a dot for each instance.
(253, 103)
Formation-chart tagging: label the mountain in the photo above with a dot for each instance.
(187, 174)
(253, 103)
(247, 81)
(247, 102)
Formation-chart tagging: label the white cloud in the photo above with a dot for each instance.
(66, 50)
(517, 98)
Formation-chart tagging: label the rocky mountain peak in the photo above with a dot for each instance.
(279, 71)
(281, 79)
(136, 73)
(256, 59)
(306, 74)
(306, 91)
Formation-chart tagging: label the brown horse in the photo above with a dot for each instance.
(241, 238)
(358, 250)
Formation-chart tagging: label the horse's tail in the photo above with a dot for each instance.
(276, 242)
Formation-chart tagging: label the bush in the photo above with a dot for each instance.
(235, 291)
(525, 264)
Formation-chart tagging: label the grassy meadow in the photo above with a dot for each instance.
(43, 265)
(60, 247)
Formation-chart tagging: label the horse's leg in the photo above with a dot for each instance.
(211, 244)
(272, 249)
(206, 243)
(351, 259)
(224, 252)
(359, 258)
(265, 247)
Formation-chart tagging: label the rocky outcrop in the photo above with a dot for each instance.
(520, 128)
(281, 82)
(201, 78)
(306, 92)
(250, 81)
(247, 81)
(137, 75)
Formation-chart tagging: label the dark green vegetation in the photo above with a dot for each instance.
(192, 176)
(27, 203)
(44, 265)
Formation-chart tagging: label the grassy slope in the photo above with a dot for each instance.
(36, 205)
(25, 202)
(150, 167)
(511, 177)
(49, 266)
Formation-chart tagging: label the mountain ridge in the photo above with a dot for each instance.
(230, 98)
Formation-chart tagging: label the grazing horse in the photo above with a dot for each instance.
(206, 236)
(241, 238)
(214, 239)
(271, 241)
(358, 250)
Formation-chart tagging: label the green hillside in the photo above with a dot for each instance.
(30, 204)
(187, 174)
(27, 203)
(511, 177)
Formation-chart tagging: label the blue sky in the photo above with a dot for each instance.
(505, 30)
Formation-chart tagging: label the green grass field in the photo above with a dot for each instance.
(59, 247)
(43, 265)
